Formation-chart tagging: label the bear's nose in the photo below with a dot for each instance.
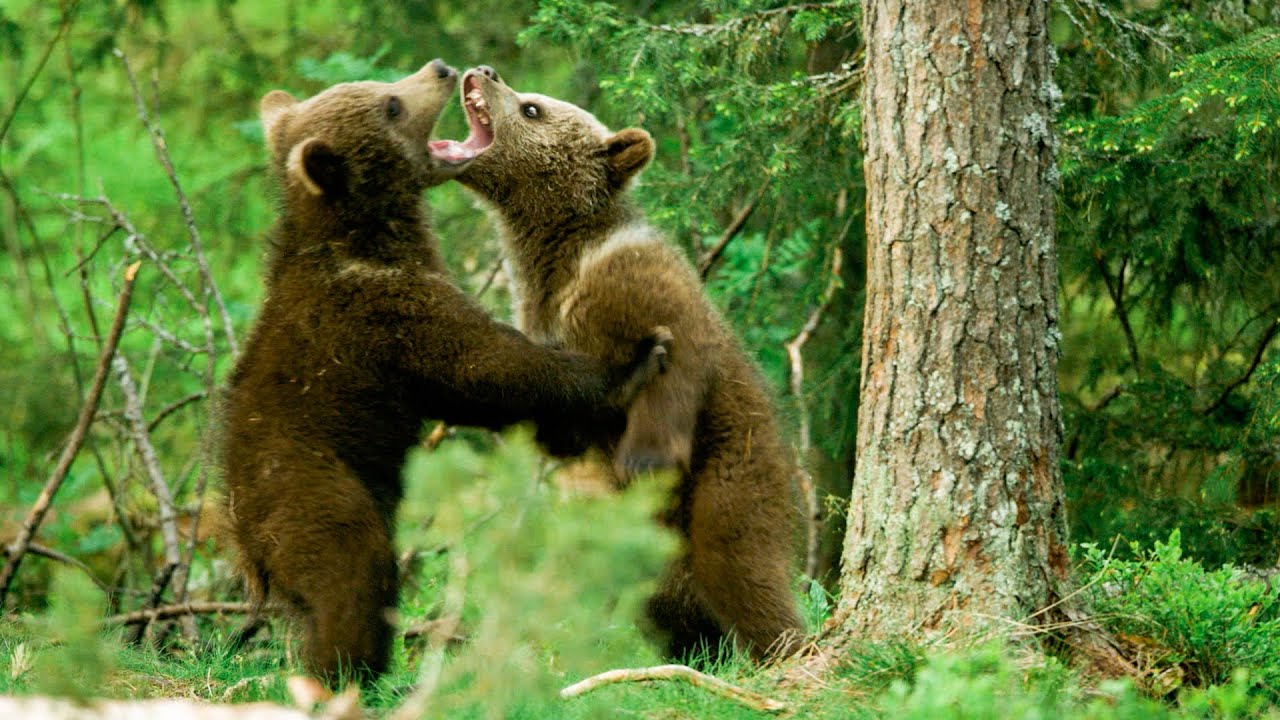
(488, 72)
(442, 70)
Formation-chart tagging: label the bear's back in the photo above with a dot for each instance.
(318, 373)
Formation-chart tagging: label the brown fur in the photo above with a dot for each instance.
(593, 276)
(362, 336)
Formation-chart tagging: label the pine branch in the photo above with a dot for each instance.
(1267, 337)
(1115, 288)
(709, 29)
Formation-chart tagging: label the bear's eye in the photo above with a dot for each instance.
(531, 111)
(395, 108)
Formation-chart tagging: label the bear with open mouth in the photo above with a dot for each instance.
(593, 276)
(362, 336)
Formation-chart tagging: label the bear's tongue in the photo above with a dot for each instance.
(451, 151)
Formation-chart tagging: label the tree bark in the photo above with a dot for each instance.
(956, 521)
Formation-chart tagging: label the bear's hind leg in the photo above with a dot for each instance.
(679, 619)
(740, 560)
(333, 561)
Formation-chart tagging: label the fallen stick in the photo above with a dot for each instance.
(168, 611)
(746, 697)
(90, 408)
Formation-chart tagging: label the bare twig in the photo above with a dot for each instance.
(749, 698)
(137, 426)
(158, 586)
(445, 628)
(208, 291)
(795, 350)
(435, 437)
(1267, 337)
(493, 275)
(209, 287)
(739, 221)
(174, 407)
(78, 434)
(50, 553)
(163, 612)
(64, 24)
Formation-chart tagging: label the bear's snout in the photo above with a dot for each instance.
(441, 69)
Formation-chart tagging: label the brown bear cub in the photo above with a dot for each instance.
(361, 338)
(592, 276)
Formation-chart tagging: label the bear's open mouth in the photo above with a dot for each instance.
(481, 122)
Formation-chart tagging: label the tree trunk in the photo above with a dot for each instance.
(956, 521)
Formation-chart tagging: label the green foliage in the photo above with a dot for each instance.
(1167, 233)
(553, 586)
(79, 654)
(1206, 623)
(981, 683)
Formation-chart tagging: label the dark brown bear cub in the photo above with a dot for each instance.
(362, 336)
(593, 276)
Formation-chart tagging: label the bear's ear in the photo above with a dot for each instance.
(320, 170)
(627, 150)
(274, 106)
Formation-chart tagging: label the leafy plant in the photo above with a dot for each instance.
(1205, 623)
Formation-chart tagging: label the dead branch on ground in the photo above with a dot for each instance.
(741, 695)
(170, 611)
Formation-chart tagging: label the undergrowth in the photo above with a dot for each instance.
(546, 588)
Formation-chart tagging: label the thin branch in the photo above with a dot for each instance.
(135, 242)
(795, 354)
(47, 552)
(137, 427)
(749, 698)
(436, 436)
(1108, 398)
(493, 275)
(64, 24)
(164, 612)
(706, 29)
(1267, 337)
(445, 627)
(158, 587)
(730, 232)
(78, 434)
(1116, 291)
(209, 288)
(174, 407)
(1155, 36)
